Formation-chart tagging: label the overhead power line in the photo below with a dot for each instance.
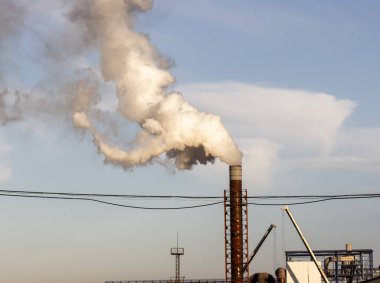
(107, 202)
(110, 195)
(315, 199)
(186, 196)
(318, 196)
(99, 198)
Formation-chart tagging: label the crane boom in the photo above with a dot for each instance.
(259, 245)
(286, 208)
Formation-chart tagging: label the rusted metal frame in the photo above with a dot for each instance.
(246, 271)
(226, 235)
(236, 224)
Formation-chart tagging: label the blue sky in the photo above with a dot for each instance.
(295, 83)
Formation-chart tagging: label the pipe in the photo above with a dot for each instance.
(236, 214)
(281, 275)
(262, 278)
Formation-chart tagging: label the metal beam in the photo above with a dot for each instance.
(286, 208)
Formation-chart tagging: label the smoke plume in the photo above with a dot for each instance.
(167, 125)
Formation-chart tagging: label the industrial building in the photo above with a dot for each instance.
(349, 265)
(339, 266)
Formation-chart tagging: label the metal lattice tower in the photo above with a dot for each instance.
(227, 236)
(177, 252)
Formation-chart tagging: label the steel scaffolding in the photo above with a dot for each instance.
(227, 235)
(354, 265)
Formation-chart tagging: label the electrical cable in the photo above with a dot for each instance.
(309, 199)
(191, 197)
(316, 196)
(112, 195)
(315, 201)
(111, 203)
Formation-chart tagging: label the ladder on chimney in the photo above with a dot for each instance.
(227, 236)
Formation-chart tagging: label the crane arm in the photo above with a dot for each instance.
(259, 245)
(286, 208)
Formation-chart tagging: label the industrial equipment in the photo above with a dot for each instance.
(262, 277)
(236, 228)
(343, 265)
(286, 208)
(259, 245)
(177, 252)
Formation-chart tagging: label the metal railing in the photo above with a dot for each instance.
(172, 281)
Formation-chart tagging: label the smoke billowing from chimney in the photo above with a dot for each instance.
(167, 124)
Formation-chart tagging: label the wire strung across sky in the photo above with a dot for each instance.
(258, 200)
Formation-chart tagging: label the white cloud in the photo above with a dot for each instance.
(355, 150)
(260, 157)
(284, 129)
(302, 122)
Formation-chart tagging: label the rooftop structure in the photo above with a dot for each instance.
(349, 265)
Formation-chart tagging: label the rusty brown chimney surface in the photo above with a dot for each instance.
(236, 201)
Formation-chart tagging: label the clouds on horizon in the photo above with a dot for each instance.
(285, 129)
(279, 130)
(296, 129)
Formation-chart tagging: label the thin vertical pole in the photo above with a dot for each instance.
(177, 273)
(306, 244)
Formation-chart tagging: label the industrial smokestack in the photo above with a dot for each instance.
(236, 201)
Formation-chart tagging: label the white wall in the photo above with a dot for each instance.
(302, 272)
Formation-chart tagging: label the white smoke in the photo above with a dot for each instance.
(168, 126)
(11, 14)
